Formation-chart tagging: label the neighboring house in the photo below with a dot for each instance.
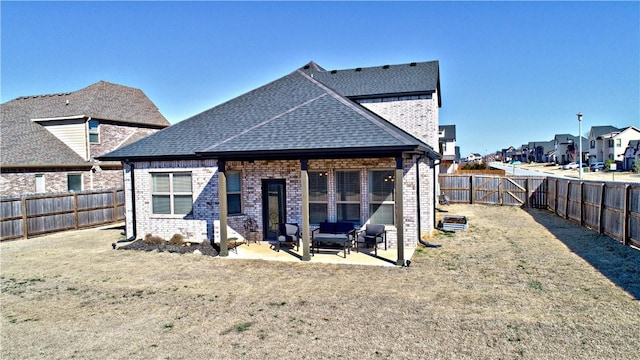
(473, 158)
(614, 144)
(596, 144)
(448, 149)
(352, 145)
(631, 155)
(508, 153)
(50, 142)
(567, 147)
(538, 151)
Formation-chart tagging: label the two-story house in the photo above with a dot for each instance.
(596, 143)
(567, 148)
(448, 149)
(615, 143)
(50, 142)
(632, 155)
(356, 145)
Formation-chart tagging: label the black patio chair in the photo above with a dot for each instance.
(372, 235)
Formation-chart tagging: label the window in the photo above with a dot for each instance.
(74, 182)
(234, 192)
(348, 195)
(40, 183)
(171, 193)
(94, 132)
(593, 144)
(382, 197)
(318, 197)
(618, 142)
(610, 142)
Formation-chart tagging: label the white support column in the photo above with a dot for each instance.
(305, 210)
(399, 210)
(222, 200)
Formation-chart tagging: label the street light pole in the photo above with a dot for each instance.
(579, 145)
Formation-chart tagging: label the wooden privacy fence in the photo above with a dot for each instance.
(609, 208)
(24, 216)
(527, 191)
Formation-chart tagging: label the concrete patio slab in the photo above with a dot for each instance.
(264, 250)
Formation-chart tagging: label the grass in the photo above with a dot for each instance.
(545, 288)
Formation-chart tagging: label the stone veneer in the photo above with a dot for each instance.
(203, 223)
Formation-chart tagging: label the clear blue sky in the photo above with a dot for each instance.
(511, 72)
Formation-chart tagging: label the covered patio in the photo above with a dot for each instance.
(263, 250)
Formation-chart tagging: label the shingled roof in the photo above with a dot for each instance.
(388, 80)
(294, 116)
(26, 143)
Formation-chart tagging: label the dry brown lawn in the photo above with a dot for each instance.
(516, 284)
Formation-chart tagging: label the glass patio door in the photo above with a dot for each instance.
(273, 207)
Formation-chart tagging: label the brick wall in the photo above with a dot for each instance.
(417, 117)
(204, 223)
(113, 136)
(55, 180)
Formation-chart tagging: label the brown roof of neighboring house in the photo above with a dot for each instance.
(24, 142)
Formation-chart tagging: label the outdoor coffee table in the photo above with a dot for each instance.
(342, 240)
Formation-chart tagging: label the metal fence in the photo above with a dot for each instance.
(609, 208)
(30, 215)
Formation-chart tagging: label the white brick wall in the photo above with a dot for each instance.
(204, 224)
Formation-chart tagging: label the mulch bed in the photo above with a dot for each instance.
(205, 247)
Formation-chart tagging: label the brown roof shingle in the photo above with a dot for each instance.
(24, 142)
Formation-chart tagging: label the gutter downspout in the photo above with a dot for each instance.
(133, 201)
(418, 160)
(435, 188)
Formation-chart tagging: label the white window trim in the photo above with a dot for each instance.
(93, 131)
(171, 194)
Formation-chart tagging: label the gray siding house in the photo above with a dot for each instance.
(353, 145)
(50, 142)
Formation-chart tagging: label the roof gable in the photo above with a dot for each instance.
(27, 143)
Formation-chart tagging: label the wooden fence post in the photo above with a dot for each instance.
(527, 201)
(566, 202)
(627, 214)
(75, 210)
(114, 197)
(604, 192)
(581, 202)
(471, 190)
(25, 222)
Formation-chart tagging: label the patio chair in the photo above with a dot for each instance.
(289, 233)
(372, 235)
(444, 199)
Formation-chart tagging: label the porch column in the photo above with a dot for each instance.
(399, 211)
(222, 200)
(304, 177)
